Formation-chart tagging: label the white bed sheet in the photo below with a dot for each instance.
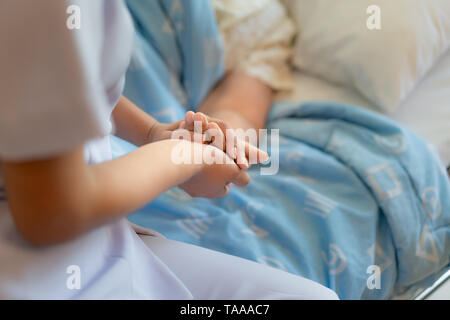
(426, 111)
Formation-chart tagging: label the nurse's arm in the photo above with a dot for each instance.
(56, 199)
(131, 123)
(138, 127)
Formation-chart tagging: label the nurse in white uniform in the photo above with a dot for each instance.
(63, 200)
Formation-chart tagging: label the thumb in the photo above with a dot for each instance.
(241, 179)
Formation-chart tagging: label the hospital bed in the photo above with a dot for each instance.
(319, 170)
(426, 111)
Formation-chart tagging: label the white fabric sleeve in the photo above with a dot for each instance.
(52, 97)
(258, 36)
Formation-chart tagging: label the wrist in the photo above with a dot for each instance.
(152, 132)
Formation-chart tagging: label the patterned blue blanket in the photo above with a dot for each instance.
(359, 203)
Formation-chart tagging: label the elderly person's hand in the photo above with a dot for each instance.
(219, 133)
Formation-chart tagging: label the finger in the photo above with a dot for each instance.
(231, 144)
(228, 134)
(224, 126)
(215, 135)
(226, 190)
(182, 125)
(196, 123)
(189, 120)
(183, 134)
(180, 134)
(255, 155)
(200, 117)
(242, 179)
(241, 155)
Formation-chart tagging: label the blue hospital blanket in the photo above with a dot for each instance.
(357, 197)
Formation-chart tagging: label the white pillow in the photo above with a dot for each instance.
(384, 65)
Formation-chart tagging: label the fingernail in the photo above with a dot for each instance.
(245, 164)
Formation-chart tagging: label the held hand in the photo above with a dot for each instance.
(220, 134)
(215, 180)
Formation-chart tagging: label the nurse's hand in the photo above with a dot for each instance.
(165, 131)
(215, 180)
(162, 131)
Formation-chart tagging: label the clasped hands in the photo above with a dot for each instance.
(215, 179)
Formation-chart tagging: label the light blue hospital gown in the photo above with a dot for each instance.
(58, 87)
